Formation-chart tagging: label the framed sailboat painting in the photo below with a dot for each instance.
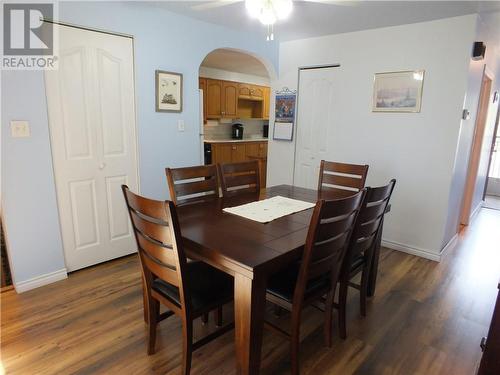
(168, 91)
(398, 91)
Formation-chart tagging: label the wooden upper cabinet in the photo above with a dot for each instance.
(249, 91)
(203, 86)
(221, 99)
(214, 98)
(244, 90)
(257, 92)
(229, 99)
(267, 103)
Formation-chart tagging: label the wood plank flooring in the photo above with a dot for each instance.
(426, 318)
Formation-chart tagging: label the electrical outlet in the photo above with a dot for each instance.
(180, 125)
(19, 129)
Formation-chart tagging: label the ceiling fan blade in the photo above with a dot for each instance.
(214, 4)
(348, 3)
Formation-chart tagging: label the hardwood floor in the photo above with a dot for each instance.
(426, 318)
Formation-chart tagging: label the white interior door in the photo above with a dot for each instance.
(92, 126)
(315, 116)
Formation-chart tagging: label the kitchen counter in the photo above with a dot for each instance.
(229, 140)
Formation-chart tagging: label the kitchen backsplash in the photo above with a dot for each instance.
(222, 129)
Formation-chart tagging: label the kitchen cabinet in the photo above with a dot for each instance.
(229, 99)
(238, 152)
(266, 106)
(234, 152)
(221, 153)
(232, 100)
(214, 99)
(251, 92)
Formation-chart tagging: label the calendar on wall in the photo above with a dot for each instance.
(284, 114)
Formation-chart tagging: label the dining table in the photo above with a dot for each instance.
(251, 252)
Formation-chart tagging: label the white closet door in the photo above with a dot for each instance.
(92, 126)
(315, 116)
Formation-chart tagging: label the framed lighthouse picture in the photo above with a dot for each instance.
(168, 91)
(398, 91)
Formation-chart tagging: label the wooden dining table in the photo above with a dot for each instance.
(251, 252)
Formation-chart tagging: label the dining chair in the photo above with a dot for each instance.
(316, 275)
(359, 255)
(237, 178)
(188, 290)
(341, 176)
(193, 184)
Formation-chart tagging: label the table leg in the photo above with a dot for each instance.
(372, 282)
(249, 307)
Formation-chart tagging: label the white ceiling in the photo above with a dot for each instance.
(310, 19)
(234, 61)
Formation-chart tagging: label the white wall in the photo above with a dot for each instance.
(486, 31)
(28, 192)
(233, 76)
(416, 149)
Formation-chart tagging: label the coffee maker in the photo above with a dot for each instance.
(237, 131)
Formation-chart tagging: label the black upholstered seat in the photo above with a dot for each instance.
(207, 285)
(357, 263)
(282, 284)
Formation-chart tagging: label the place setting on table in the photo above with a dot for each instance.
(221, 236)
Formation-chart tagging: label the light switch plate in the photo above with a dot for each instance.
(180, 125)
(20, 129)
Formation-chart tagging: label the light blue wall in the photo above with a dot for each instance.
(163, 40)
(29, 199)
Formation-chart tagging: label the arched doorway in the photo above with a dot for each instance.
(235, 103)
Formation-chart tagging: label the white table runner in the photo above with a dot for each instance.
(269, 209)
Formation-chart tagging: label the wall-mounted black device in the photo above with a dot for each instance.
(478, 51)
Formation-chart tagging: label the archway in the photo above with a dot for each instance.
(235, 87)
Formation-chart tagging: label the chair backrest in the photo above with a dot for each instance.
(341, 176)
(193, 184)
(239, 178)
(157, 234)
(329, 233)
(368, 222)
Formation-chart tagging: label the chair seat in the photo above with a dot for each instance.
(357, 262)
(282, 284)
(208, 286)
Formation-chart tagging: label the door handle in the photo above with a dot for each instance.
(102, 166)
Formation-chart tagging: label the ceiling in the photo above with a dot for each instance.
(310, 19)
(234, 61)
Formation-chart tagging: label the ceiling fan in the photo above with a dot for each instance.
(267, 11)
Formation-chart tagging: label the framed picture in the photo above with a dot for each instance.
(398, 91)
(168, 91)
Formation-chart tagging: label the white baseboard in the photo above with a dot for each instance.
(42, 280)
(475, 212)
(421, 252)
(449, 246)
(412, 250)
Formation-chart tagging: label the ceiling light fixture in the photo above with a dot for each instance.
(268, 12)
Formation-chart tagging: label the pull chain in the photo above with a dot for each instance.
(270, 32)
